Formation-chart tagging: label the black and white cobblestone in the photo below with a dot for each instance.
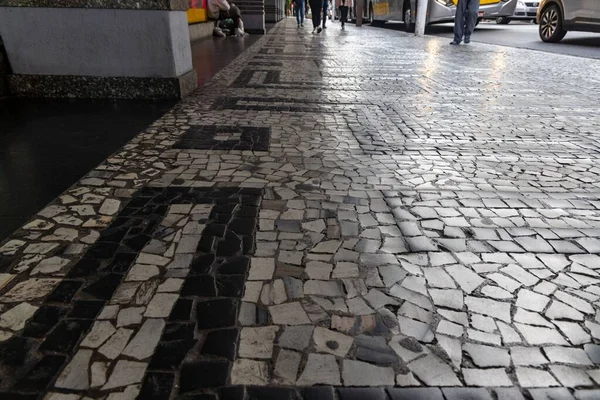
(364, 210)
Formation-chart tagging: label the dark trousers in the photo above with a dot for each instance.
(325, 9)
(316, 7)
(343, 14)
(466, 19)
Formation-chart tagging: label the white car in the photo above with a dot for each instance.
(526, 10)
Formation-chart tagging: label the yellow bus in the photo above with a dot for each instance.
(438, 11)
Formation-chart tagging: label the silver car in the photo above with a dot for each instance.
(556, 17)
(526, 10)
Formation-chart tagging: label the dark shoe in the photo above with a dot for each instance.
(319, 30)
(454, 43)
(324, 27)
(302, 25)
(467, 40)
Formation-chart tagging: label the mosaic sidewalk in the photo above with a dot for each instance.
(351, 215)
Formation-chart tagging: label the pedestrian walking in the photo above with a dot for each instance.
(343, 7)
(300, 9)
(325, 13)
(465, 20)
(316, 7)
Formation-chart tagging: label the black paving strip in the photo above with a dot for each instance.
(30, 362)
(206, 137)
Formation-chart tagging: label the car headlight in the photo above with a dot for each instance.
(520, 4)
(447, 3)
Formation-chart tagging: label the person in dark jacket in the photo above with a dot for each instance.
(316, 8)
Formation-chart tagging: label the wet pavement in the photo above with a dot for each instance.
(46, 145)
(352, 215)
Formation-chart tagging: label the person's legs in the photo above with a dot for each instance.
(343, 14)
(298, 8)
(302, 10)
(472, 15)
(459, 21)
(325, 9)
(316, 6)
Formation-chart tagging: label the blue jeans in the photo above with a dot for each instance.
(325, 8)
(300, 9)
(466, 19)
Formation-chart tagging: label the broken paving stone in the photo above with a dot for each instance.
(374, 349)
(286, 367)
(314, 226)
(290, 257)
(560, 310)
(540, 335)
(437, 277)
(75, 375)
(16, 318)
(125, 373)
(29, 289)
(257, 342)
(345, 270)
(50, 265)
(115, 345)
(377, 299)
(487, 356)
(531, 377)
(143, 344)
(329, 247)
(289, 314)
(493, 377)
(320, 369)
(492, 308)
(434, 372)
(99, 370)
(130, 316)
(567, 355)
(318, 270)
(141, 272)
(527, 356)
(570, 376)
(531, 300)
(101, 331)
(449, 298)
(296, 337)
(261, 269)
(328, 341)
(161, 305)
(357, 373)
(466, 278)
(416, 329)
(391, 274)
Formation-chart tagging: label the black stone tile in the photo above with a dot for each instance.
(157, 386)
(84, 268)
(13, 352)
(217, 313)
(170, 355)
(251, 200)
(104, 287)
(470, 394)
(233, 393)
(231, 285)
(20, 396)
(182, 310)
(271, 393)
(202, 396)
(236, 266)
(199, 285)
(86, 309)
(42, 373)
(243, 226)
(65, 336)
(113, 234)
(221, 343)
(248, 212)
(415, 394)
(179, 331)
(207, 244)
(121, 263)
(230, 246)
(137, 242)
(64, 292)
(203, 374)
(5, 263)
(45, 318)
(214, 229)
(362, 393)
(102, 251)
(318, 393)
(247, 245)
(202, 264)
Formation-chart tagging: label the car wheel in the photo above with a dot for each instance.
(551, 24)
(502, 20)
(409, 26)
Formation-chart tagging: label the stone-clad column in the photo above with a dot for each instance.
(253, 14)
(98, 48)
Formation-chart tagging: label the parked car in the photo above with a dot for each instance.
(557, 17)
(526, 10)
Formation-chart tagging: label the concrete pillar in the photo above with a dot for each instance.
(97, 48)
(253, 14)
(421, 21)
